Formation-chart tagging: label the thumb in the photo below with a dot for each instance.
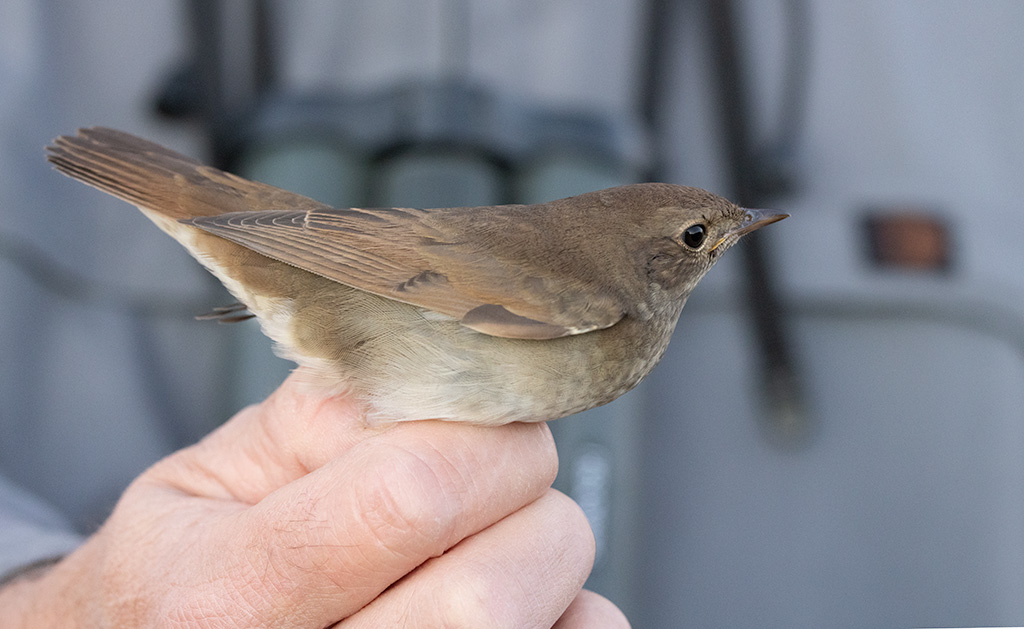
(268, 445)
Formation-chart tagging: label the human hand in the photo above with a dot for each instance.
(294, 514)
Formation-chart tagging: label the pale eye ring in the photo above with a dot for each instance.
(694, 236)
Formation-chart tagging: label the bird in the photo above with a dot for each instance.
(485, 315)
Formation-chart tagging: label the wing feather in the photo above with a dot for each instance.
(401, 254)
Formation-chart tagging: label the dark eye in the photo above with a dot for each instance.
(694, 235)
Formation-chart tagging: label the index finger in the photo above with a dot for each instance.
(328, 543)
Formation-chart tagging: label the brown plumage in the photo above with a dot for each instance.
(486, 315)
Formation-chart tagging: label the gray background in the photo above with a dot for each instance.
(904, 506)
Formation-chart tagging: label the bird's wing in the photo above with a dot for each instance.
(407, 255)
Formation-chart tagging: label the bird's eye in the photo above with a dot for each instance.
(694, 235)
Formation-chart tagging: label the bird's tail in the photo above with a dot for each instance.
(161, 182)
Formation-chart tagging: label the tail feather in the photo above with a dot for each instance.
(161, 181)
(130, 168)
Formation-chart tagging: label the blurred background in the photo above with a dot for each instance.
(835, 435)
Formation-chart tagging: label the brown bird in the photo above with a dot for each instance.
(486, 315)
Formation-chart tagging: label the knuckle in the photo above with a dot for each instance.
(472, 600)
(548, 450)
(412, 499)
(577, 528)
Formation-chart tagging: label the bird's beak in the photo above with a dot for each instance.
(754, 219)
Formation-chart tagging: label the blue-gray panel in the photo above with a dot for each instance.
(904, 508)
